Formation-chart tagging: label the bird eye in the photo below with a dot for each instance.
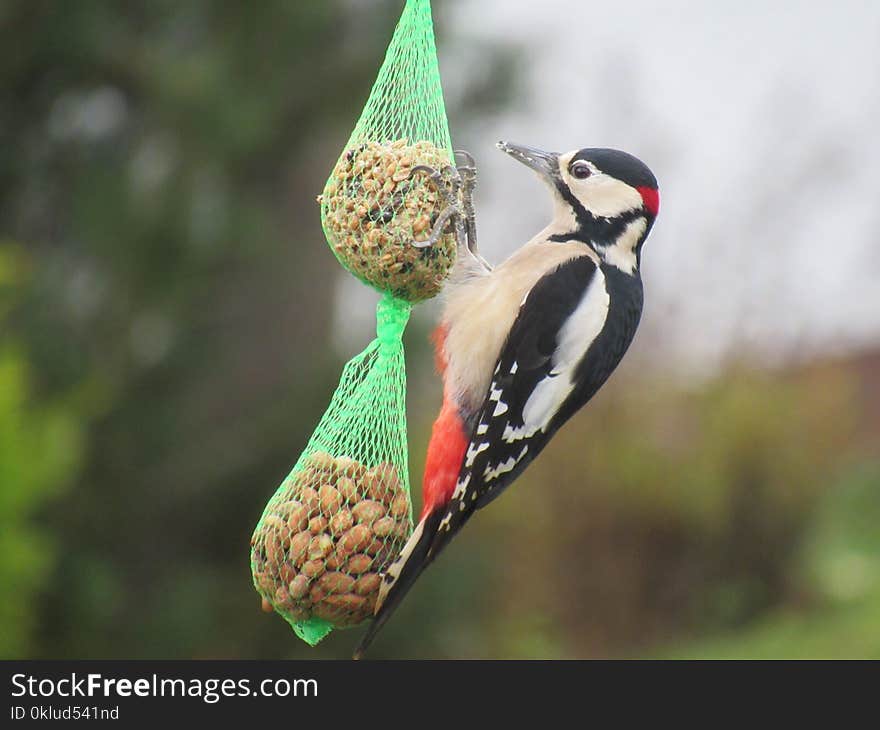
(580, 170)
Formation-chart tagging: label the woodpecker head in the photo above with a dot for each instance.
(606, 198)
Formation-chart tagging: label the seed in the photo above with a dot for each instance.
(330, 498)
(320, 546)
(341, 521)
(344, 609)
(298, 519)
(317, 524)
(272, 522)
(282, 597)
(322, 461)
(347, 489)
(298, 587)
(368, 511)
(274, 550)
(383, 527)
(399, 505)
(313, 568)
(353, 540)
(287, 572)
(299, 545)
(299, 613)
(336, 582)
(310, 500)
(358, 564)
(266, 606)
(367, 583)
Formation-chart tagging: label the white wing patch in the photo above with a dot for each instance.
(500, 409)
(461, 486)
(512, 434)
(491, 473)
(578, 333)
(473, 452)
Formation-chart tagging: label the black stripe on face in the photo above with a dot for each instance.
(596, 229)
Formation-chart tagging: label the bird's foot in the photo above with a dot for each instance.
(455, 185)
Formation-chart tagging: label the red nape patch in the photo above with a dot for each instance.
(651, 197)
(445, 454)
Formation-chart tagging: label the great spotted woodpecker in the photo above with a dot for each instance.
(523, 346)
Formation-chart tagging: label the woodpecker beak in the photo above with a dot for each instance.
(546, 164)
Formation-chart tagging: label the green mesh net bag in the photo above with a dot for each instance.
(380, 198)
(343, 513)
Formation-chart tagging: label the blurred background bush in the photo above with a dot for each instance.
(172, 325)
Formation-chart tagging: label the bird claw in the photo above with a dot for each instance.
(455, 184)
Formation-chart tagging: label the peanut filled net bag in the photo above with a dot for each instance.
(343, 513)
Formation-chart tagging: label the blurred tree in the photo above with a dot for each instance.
(160, 163)
(40, 450)
(160, 160)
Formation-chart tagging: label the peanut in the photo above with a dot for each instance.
(399, 505)
(367, 583)
(298, 587)
(320, 547)
(368, 511)
(309, 498)
(312, 568)
(299, 545)
(383, 527)
(358, 564)
(318, 524)
(330, 498)
(353, 540)
(336, 583)
(341, 521)
(347, 489)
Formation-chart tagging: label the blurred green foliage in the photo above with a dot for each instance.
(166, 301)
(40, 447)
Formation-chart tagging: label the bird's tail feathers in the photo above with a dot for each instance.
(401, 574)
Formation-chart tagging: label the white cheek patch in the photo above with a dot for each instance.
(606, 197)
(622, 253)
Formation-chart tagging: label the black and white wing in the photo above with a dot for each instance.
(553, 361)
(571, 330)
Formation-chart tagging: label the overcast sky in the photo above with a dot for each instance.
(760, 120)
